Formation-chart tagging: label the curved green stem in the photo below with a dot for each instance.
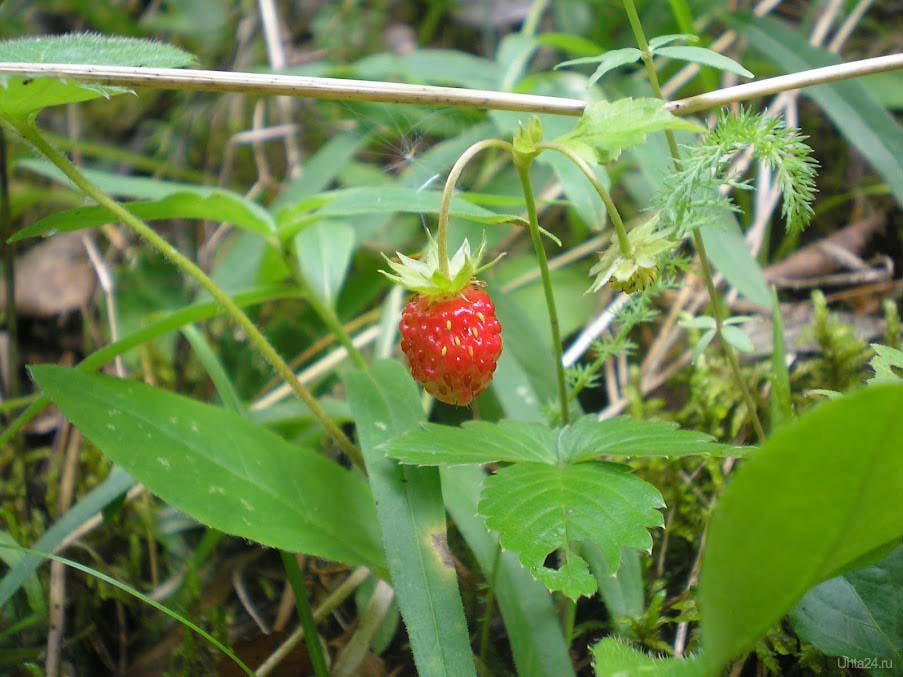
(523, 171)
(34, 136)
(324, 311)
(449, 190)
(614, 214)
(714, 297)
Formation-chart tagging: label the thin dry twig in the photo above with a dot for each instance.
(391, 92)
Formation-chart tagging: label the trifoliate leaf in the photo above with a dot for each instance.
(538, 509)
(605, 128)
(24, 95)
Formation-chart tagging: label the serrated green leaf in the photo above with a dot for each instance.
(589, 438)
(818, 496)
(519, 441)
(615, 658)
(220, 468)
(24, 95)
(606, 128)
(857, 615)
(706, 57)
(324, 252)
(538, 509)
(887, 363)
(474, 442)
(662, 40)
(213, 204)
(531, 620)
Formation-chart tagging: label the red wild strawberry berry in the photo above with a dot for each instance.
(452, 343)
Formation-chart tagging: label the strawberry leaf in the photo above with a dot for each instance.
(606, 128)
(887, 363)
(539, 508)
(589, 438)
(518, 441)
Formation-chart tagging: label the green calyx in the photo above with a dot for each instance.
(426, 276)
(526, 141)
(637, 271)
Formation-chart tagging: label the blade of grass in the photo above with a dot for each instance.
(409, 506)
(138, 595)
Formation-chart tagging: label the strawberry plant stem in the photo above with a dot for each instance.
(34, 136)
(717, 308)
(305, 615)
(449, 190)
(613, 212)
(523, 171)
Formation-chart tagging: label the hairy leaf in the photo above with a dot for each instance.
(24, 95)
(615, 658)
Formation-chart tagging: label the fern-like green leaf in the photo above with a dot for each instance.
(689, 197)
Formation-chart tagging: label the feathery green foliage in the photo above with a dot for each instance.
(690, 196)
